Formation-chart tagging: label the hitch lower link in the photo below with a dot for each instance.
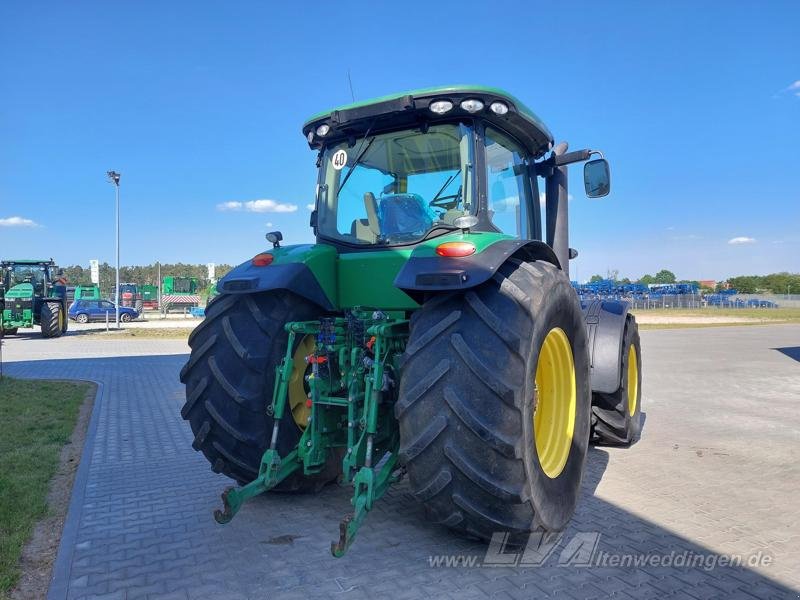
(360, 406)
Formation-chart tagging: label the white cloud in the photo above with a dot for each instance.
(794, 88)
(269, 224)
(258, 206)
(310, 206)
(18, 222)
(737, 241)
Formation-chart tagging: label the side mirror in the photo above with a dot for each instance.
(597, 178)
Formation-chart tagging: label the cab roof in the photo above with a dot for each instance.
(26, 261)
(412, 108)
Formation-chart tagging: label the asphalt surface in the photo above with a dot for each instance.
(714, 480)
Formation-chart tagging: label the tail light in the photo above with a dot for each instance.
(455, 249)
(262, 260)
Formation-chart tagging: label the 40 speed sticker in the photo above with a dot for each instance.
(339, 159)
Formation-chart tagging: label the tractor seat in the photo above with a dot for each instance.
(404, 214)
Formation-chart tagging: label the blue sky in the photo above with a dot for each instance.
(201, 103)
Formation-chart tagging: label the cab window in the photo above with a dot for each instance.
(508, 185)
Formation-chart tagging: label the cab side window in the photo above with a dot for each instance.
(508, 185)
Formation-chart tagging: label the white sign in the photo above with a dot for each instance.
(94, 266)
(339, 159)
(211, 270)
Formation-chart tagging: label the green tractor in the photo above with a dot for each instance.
(431, 332)
(35, 294)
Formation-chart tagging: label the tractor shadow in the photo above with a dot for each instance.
(790, 351)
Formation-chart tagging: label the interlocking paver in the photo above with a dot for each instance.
(714, 473)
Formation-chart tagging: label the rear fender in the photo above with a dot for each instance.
(426, 274)
(306, 270)
(605, 328)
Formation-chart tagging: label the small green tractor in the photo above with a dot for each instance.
(430, 333)
(35, 294)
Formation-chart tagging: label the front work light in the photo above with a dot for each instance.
(498, 108)
(440, 106)
(323, 130)
(472, 106)
(455, 249)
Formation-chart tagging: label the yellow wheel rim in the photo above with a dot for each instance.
(633, 380)
(298, 388)
(556, 399)
(60, 320)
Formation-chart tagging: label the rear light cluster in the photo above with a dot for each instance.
(262, 260)
(455, 249)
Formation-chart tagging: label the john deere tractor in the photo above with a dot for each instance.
(431, 332)
(35, 294)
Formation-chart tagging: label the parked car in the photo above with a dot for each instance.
(84, 311)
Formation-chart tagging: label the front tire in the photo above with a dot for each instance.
(617, 417)
(229, 381)
(125, 318)
(51, 320)
(481, 455)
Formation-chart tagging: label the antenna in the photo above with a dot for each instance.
(350, 81)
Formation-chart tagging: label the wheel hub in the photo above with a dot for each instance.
(298, 386)
(633, 380)
(556, 398)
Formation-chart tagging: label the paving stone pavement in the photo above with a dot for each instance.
(716, 473)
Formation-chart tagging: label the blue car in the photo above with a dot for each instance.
(84, 311)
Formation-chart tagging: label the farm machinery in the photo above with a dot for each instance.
(179, 292)
(430, 333)
(87, 292)
(35, 294)
(129, 296)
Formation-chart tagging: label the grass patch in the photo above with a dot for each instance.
(141, 332)
(36, 421)
(699, 325)
(786, 315)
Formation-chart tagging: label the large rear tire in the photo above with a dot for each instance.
(617, 417)
(488, 376)
(51, 319)
(229, 384)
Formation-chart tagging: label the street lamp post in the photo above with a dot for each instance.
(113, 177)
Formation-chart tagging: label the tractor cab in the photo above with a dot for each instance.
(405, 168)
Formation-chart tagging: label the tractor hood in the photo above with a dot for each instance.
(21, 290)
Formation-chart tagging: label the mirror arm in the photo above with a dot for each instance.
(572, 157)
(545, 168)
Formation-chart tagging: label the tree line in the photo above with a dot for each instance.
(775, 283)
(142, 274)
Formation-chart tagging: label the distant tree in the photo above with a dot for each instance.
(595, 278)
(664, 276)
(646, 279)
(625, 281)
